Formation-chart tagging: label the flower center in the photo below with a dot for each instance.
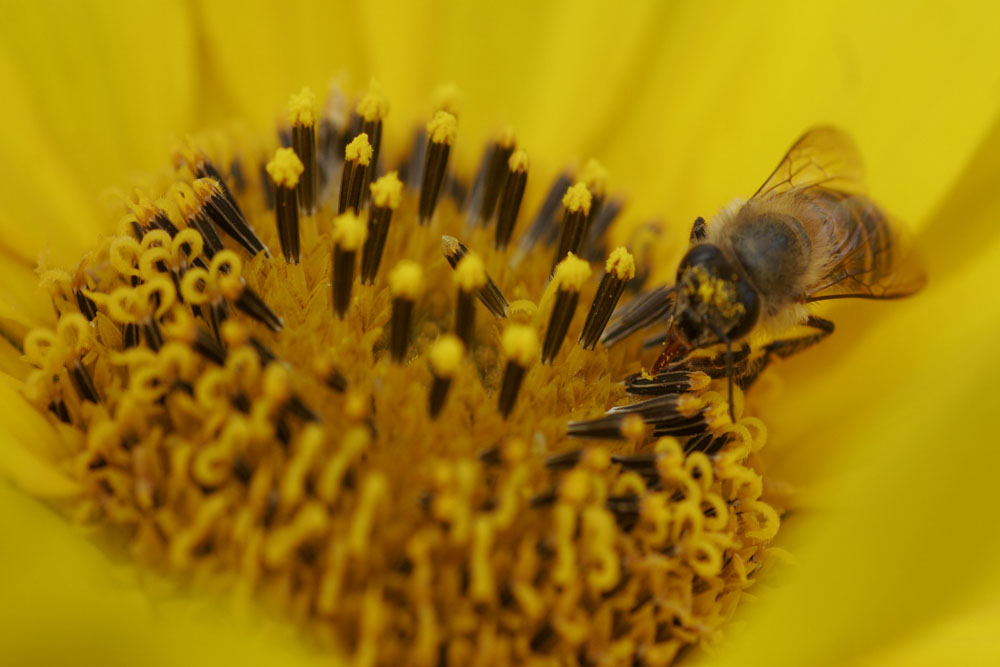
(360, 393)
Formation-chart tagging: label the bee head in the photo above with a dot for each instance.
(713, 302)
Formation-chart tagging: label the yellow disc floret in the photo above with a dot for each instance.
(407, 280)
(620, 264)
(571, 273)
(302, 108)
(387, 191)
(285, 168)
(577, 198)
(446, 355)
(520, 344)
(349, 232)
(470, 273)
(374, 105)
(359, 150)
(442, 128)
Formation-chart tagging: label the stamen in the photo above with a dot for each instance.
(225, 216)
(445, 359)
(58, 407)
(386, 194)
(349, 234)
(194, 215)
(599, 224)
(302, 115)
(670, 382)
(515, 179)
(595, 177)
(284, 171)
(520, 346)
(226, 269)
(406, 284)
(643, 311)
(496, 171)
(543, 227)
(470, 278)
(440, 134)
(490, 294)
(87, 307)
(372, 108)
(83, 382)
(618, 271)
(570, 276)
(574, 227)
(204, 168)
(358, 156)
(151, 216)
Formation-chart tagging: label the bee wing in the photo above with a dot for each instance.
(823, 156)
(875, 258)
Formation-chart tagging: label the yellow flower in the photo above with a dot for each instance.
(885, 428)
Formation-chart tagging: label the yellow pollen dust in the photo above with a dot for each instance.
(407, 280)
(571, 273)
(620, 264)
(716, 292)
(577, 198)
(518, 161)
(359, 150)
(520, 344)
(349, 232)
(285, 168)
(446, 355)
(374, 105)
(470, 273)
(442, 128)
(387, 191)
(302, 108)
(595, 177)
(224, 426)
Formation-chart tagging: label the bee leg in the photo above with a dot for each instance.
(699, 230)
(786, 347)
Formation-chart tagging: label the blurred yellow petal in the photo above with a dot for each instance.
(22, 301)
(65, 603)
(558, 73)
(259, 52)
(968, 638)
(733, 84)
(110, 82)
(28, 445)
(37, 189)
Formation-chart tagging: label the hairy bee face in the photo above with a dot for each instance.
(713, 302)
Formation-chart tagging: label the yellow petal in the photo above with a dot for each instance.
(21, 300)
(37, 190)
(92, 93)
(259, 52)
(66, 603)
(112, 84)
(733, 84)
(560, 74)
(28, 443)
(969, 638)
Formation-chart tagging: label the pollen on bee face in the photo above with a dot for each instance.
(367, 434)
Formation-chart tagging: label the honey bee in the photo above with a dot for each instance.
(810, 233)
